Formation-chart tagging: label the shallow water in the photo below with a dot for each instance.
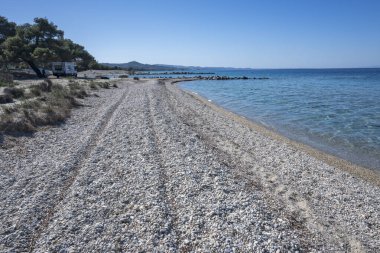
(336, 110)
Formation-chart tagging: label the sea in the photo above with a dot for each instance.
(333, 110)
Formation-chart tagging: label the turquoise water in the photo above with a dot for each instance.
(335, 110)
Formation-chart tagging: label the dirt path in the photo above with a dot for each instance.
(147, 167)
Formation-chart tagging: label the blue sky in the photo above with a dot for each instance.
(235, 33)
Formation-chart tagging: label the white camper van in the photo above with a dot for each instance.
(64, 69)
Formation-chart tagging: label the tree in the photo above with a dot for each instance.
(39, 43)
(34, 44)
(7, 29)
(71, 51)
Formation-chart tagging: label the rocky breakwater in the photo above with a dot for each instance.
(175, 73)
(206, 77)
(229, 78)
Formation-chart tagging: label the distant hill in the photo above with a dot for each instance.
(162, 67)
(145, 67)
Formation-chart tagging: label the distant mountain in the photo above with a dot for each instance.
(163, 67)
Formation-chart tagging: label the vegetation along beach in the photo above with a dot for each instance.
(102, 153)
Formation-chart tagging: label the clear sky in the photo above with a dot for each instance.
(234, 33)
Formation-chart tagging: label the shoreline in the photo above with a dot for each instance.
(369, 174)
(151, 167)
(325, 193)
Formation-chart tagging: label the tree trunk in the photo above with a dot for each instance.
(35, 69)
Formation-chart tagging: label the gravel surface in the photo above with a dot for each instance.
(148, 167)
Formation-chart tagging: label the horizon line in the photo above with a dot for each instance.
(190, 66)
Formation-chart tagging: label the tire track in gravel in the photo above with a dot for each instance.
(302, 210)
(299, 211)
(226, 160)
(174, 122)
(83, 154)
(169, 205)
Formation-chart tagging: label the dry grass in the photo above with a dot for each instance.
(10, 92)
(93, 86)
(104, 85)
(50, 108)
(34, 91)
(7, 84)
(77, 90)
(38, 89)
(14, 92)
(6, 76)
(43, 104)
(46, 85)
(6, 99)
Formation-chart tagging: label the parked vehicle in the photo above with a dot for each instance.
(64, 69)
(45, 72)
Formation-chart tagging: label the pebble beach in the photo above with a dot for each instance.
(148, 167)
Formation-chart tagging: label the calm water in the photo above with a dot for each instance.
(336, 110)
